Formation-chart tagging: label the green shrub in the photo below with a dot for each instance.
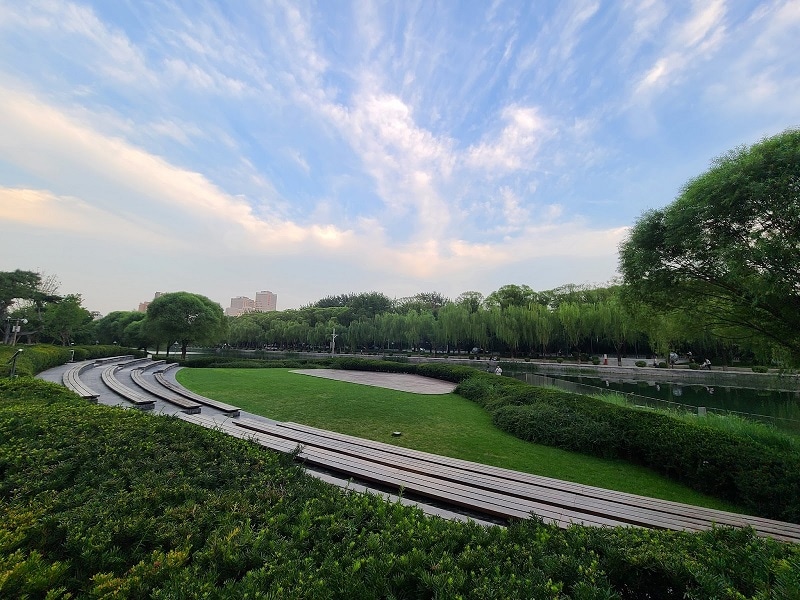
(641, 363)
(694, 366)
(760, 369)
(40, 357)
(397, 358)
(736, 468)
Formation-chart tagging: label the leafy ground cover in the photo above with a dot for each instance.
(98, 502)
(441, 424)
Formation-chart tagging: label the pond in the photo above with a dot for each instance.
(779, 407)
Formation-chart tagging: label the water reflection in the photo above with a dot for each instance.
(770, 403)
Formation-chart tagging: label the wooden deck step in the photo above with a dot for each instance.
(186, 405)
(232, 411)
(627, 508)
(139, 401)
(72, 380)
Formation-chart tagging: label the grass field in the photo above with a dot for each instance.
(441, 424)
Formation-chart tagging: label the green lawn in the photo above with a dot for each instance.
(442, 424)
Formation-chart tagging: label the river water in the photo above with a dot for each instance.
(781, 408)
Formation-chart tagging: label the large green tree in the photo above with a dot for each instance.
(14, 286)
(727, 250)
(67, 320)
(185, 318)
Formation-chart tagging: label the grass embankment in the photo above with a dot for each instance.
(441, 424)
(98, 502)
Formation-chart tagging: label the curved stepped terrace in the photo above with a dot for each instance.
(186, 405)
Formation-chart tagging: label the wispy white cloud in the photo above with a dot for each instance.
(516, 145)
(105, 49)
(690, 42)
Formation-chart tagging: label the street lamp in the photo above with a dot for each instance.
(16, 328)
(13, 362)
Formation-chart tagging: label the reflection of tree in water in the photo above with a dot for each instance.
(784, 405)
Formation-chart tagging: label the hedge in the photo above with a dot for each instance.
(40, 357)
(762, 479)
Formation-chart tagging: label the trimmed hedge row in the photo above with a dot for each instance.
(96, 502)
(217, 362)
(452, 373)
(762, 479)
(41, 357)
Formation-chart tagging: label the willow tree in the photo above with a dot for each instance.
(726, 252)
(186, 318)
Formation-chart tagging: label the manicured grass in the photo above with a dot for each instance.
(441, 424)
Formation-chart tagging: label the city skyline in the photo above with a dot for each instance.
(333, 148)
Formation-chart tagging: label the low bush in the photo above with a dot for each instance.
(40, 357)
(760, 369)
(641, 363)
(763, 479)
(103, 503)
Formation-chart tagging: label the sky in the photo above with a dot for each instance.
(321, 148)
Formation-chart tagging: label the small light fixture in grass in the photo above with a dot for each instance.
(397, 433)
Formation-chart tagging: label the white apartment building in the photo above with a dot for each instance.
(240, 305)
(265, 302)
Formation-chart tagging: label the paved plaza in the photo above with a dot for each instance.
(403, 382)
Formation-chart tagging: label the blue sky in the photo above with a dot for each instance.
(319, 148)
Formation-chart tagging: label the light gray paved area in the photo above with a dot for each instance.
(403, 382)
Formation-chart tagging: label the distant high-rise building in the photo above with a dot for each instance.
(266, 301)
(239, 306)
(143, 305)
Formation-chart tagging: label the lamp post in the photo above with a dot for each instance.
(13, 362)
(16, 328)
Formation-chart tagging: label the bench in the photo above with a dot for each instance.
(671, 510)
(110, 359)
(461, 495)
(139, 401)
(153, 364)
(72, 381)
(574, 502)
(132, 361)
(186, 405)
(227, 409)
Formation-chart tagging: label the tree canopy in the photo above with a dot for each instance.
(727, 250)
(185, 318)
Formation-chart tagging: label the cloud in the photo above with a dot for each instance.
(690, 42)
(515, 146)
(116, 176)
(103, 49)
(41, 209)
